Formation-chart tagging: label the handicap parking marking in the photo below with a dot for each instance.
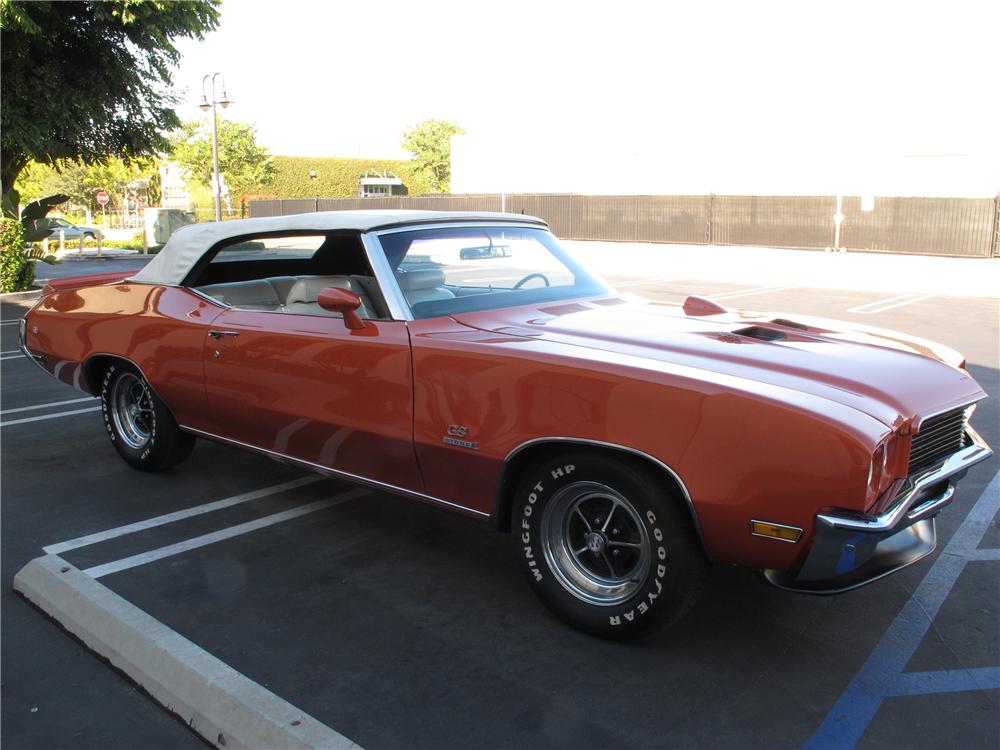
(151, 523)
(882, 675)
(889, 304)
(116, 566)
(24, 420)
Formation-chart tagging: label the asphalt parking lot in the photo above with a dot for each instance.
(402, 626)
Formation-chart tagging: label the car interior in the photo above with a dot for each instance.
(291, 283)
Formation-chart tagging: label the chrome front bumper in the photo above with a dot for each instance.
(848, 551)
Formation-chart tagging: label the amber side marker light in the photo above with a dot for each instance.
(775, 531)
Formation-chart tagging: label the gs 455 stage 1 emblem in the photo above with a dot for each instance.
(455, 434)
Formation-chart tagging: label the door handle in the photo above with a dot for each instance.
(219, 334)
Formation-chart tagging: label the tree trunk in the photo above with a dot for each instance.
(12, 164)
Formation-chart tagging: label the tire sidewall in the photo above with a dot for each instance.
(137, 456)
(658, 599)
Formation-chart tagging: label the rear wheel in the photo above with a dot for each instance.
(607, 545)
(140, 426)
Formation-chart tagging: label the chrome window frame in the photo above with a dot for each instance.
(399, 308)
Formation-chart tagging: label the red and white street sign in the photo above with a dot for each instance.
(102, 197)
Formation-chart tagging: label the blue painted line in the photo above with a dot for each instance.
(881, 672)
(948, 681)
(985, 554)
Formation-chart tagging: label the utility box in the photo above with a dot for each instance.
(163, 222)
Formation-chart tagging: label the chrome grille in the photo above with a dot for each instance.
(939, 437)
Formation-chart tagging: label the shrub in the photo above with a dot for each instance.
(17, 261)
(336, 177)
(11, 255)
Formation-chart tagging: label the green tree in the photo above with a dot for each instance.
(82, 181)
(430, 144)
(244, 163)
(89, 80)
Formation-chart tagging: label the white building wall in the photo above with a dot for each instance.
(693, 166)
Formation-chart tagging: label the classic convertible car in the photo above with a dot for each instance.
(469, 362)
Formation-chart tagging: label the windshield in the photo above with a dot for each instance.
(450, 270)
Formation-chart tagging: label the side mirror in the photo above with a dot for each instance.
(344, 302)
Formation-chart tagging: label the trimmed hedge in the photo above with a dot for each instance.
(16, 274)
(336, 177)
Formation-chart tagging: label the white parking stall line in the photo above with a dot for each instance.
(197, 510)
(225, 707)
(48, 405)
(640, 282)
(10, 351)
(10, 322)
(17, 355)
(752, 291)
(116, 566)
(11, 422)
(889, 304)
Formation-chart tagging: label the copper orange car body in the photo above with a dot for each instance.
(747, 429)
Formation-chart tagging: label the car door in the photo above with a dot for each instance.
(307, 387)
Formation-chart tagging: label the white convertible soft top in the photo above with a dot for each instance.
(186, 246)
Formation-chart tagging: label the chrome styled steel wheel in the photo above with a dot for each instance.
(595, 542)
(132, 410)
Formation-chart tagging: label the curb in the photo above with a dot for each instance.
(223, 706)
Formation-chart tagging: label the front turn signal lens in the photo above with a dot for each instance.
(775, 531)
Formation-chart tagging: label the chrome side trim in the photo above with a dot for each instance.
(319, 468)
(913, 491)
(38, 359)
(196, 292)
(615, 446)
(393, 295)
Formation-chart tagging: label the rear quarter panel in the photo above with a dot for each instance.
(161, 329)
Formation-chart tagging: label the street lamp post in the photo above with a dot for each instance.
(205, 106)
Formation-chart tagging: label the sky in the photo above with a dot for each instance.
(633, 80)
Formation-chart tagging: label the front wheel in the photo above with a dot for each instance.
(607, 545)
(139, 424)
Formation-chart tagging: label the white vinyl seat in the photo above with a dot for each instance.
(259, 294)
(423, 285)
(303, 293)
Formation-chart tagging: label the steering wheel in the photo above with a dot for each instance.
(531, 276)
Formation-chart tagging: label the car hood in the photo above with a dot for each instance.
(889, 376)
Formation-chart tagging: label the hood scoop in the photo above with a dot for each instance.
(761, 334)
(790, 324)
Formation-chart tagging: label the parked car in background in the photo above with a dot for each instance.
(468, 361)
(69, 230)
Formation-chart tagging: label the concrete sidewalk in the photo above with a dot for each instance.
(753, 266)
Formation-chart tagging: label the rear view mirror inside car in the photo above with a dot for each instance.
(485, 251)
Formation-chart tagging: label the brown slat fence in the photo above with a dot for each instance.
(968, 227)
